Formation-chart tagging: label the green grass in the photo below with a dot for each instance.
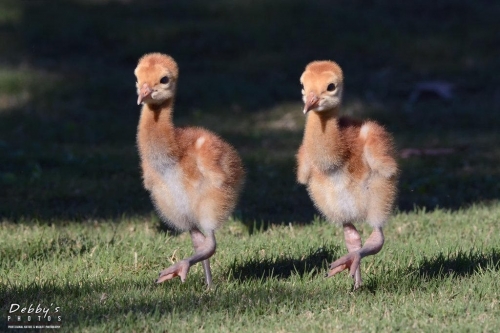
(439, 271)
(73, 212)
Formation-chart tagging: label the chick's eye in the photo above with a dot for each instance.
(331, 87)
(164, 80)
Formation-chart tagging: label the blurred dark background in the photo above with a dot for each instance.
(426, 70)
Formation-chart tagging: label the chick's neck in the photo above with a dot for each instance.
(322, 137)
(157, 127)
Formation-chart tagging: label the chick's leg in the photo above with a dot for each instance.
(201, 243)
(352, 260)
(204, 247)
(353, 244)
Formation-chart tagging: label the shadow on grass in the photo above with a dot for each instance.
(431, 271)
(459, 264)
(280, 268)
(88, 304)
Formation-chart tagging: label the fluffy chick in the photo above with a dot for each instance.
(348, 166)
(193, 176)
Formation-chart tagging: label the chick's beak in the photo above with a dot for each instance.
(144, 92)
(311, 102)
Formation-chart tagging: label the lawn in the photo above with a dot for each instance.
(78, 231)
(437, 272)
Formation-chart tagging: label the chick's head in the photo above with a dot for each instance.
(322, 84)
(156, 75)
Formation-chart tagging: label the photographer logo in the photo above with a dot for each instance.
(34, 316)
